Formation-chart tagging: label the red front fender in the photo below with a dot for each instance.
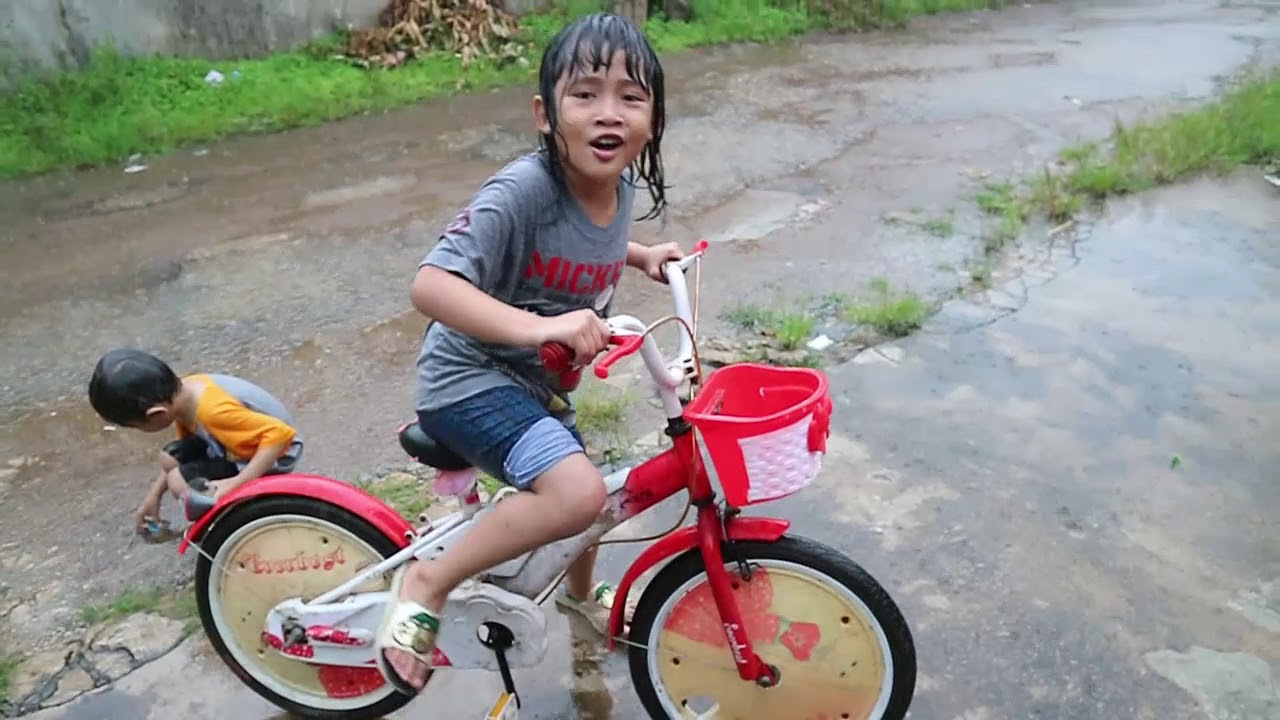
(761, 529)
(334, 492)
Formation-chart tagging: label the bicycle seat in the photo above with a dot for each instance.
(422, 447)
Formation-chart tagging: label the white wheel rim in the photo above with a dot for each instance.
(658, 654)
(249, 658)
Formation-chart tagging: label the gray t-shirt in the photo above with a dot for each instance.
(526, 243)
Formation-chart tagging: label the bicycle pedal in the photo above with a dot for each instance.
(505, 709)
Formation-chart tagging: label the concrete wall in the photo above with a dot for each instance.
(42, 36)
(52, 35)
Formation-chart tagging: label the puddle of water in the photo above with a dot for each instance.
(1023, 59)
(387, 185)
(121, 201)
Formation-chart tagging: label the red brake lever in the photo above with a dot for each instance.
(626, 345)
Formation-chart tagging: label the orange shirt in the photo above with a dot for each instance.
(237, 417)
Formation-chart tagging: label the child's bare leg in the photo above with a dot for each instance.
(176, 485)
(167, 461)
(581, 573)
(564, 501)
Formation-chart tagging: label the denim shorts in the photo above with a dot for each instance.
(506, 433)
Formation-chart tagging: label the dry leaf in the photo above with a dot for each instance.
(406, 28)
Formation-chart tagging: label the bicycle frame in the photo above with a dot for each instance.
(632, 491)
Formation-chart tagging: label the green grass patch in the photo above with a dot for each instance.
(940, 227)
(118, 106)
(601, 414)
(601, 409)
(889, 312)
(980, 273)
(407, 493)
(870, 14)
(410, 493)
(1011, 210)
(490, 484)
(790, 329)
(176, 603)
(793, 330)
(1240, 127)
(752, 318)
(8, 664)
(776, 335)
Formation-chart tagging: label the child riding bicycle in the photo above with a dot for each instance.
(534, 257)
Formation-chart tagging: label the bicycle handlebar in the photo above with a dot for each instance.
(558, 357)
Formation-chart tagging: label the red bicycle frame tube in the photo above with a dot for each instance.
(660, 478)
(710, 536)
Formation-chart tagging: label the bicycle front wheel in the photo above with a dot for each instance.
(840, 643)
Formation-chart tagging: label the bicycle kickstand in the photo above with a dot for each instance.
(508, 705)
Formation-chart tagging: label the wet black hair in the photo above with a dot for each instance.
(126, 383)
(587, 45)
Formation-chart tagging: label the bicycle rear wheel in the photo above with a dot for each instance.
(269, 549)
(841, 644)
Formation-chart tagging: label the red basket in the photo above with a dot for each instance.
(762, 430)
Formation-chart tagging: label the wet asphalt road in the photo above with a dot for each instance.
(1033, 530)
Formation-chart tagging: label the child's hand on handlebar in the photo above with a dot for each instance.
(582, 330)
(658, 255)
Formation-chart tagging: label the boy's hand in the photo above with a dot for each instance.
(582, 330)
(658, 255)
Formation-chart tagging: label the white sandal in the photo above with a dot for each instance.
(408, 627)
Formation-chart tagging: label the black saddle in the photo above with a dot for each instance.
(422, 447)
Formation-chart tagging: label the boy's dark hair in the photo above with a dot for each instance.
(126, 383)
(588, 44)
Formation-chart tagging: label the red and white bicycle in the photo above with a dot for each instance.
(745, 621)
